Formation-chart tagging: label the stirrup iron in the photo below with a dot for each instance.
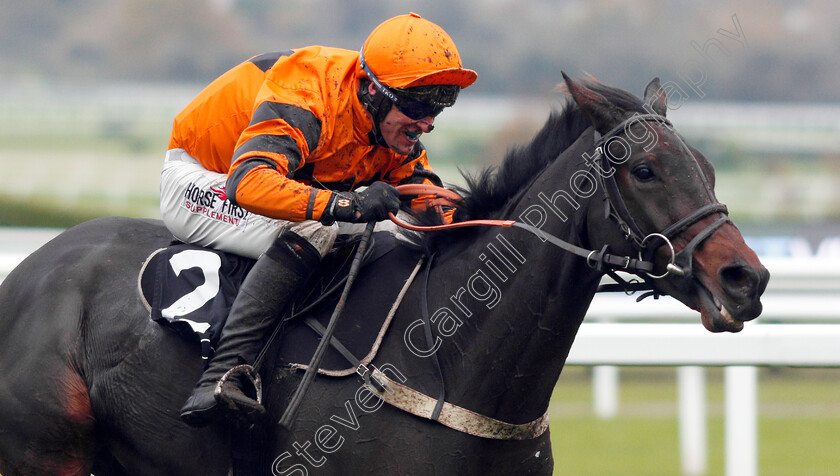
(249, 372)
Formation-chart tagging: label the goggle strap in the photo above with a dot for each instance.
(379, 86)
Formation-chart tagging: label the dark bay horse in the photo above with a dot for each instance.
(88, 383)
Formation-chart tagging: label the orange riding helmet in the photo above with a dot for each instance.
(409, 51)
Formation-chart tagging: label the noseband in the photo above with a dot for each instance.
(681, 262)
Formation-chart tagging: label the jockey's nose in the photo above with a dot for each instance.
(426, 124)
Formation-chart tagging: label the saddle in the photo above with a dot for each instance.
(190, 290)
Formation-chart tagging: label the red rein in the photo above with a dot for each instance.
(442, 196)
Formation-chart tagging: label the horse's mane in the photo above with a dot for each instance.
(488, 192)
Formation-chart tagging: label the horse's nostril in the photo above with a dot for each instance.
(739, 280)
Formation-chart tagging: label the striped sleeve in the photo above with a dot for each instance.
(277, 141)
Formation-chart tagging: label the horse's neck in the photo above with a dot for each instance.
(521, 301)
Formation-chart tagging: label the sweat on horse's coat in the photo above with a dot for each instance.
(72, 306)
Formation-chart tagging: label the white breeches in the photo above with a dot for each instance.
(195, 208)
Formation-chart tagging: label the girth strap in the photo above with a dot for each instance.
(453, 416)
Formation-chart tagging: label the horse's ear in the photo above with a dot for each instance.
(603, 114)
(655, 98)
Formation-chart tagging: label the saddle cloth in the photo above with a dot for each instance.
(190, 289)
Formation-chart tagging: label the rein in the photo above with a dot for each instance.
(594, 258)
(680, 263)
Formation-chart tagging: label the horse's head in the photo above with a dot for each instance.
(660, 197)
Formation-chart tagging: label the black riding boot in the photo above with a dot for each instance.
(264, 294)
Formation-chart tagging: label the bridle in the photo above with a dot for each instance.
(680, 263)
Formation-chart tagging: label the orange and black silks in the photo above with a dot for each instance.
(288, 128)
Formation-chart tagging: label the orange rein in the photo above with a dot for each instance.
(442, 196)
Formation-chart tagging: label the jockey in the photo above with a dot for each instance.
(265, 161)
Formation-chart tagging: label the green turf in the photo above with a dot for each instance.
(650, 446)
(799, 424)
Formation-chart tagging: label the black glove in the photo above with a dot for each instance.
(371, 204)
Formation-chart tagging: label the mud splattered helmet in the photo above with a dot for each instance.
(415, 65)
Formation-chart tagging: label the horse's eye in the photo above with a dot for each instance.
(643, 173)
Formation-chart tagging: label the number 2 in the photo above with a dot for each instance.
(209, 263)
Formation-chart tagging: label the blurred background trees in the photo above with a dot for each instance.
(518, 47)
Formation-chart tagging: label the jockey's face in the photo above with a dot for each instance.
(400, 132)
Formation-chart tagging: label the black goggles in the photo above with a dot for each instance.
(417, 102)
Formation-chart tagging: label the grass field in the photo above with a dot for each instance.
(799, 424)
